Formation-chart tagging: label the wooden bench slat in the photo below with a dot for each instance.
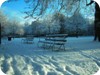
(64, 40)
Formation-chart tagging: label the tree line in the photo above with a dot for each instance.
(50, 24)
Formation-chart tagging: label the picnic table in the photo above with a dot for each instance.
(28, 39)
(54, 42)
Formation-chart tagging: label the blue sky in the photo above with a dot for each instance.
(15, 9)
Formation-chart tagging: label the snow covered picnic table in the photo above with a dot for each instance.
(28, 39)
(82, 57)
(54, 41)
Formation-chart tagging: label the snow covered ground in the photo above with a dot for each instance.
(82, 57)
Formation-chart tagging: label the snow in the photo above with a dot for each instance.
(98, 73)
(82, 57)
(1, 73)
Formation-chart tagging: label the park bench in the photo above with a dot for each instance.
(54, 41)
(28, 39)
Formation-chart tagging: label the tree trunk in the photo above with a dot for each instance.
(0, 33)
(97, 23)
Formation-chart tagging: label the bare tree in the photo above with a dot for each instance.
(3, 21)
(39, 7)
(61, 19)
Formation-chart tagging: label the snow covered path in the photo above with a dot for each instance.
(82, 57)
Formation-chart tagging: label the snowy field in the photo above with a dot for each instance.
(82, 57)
